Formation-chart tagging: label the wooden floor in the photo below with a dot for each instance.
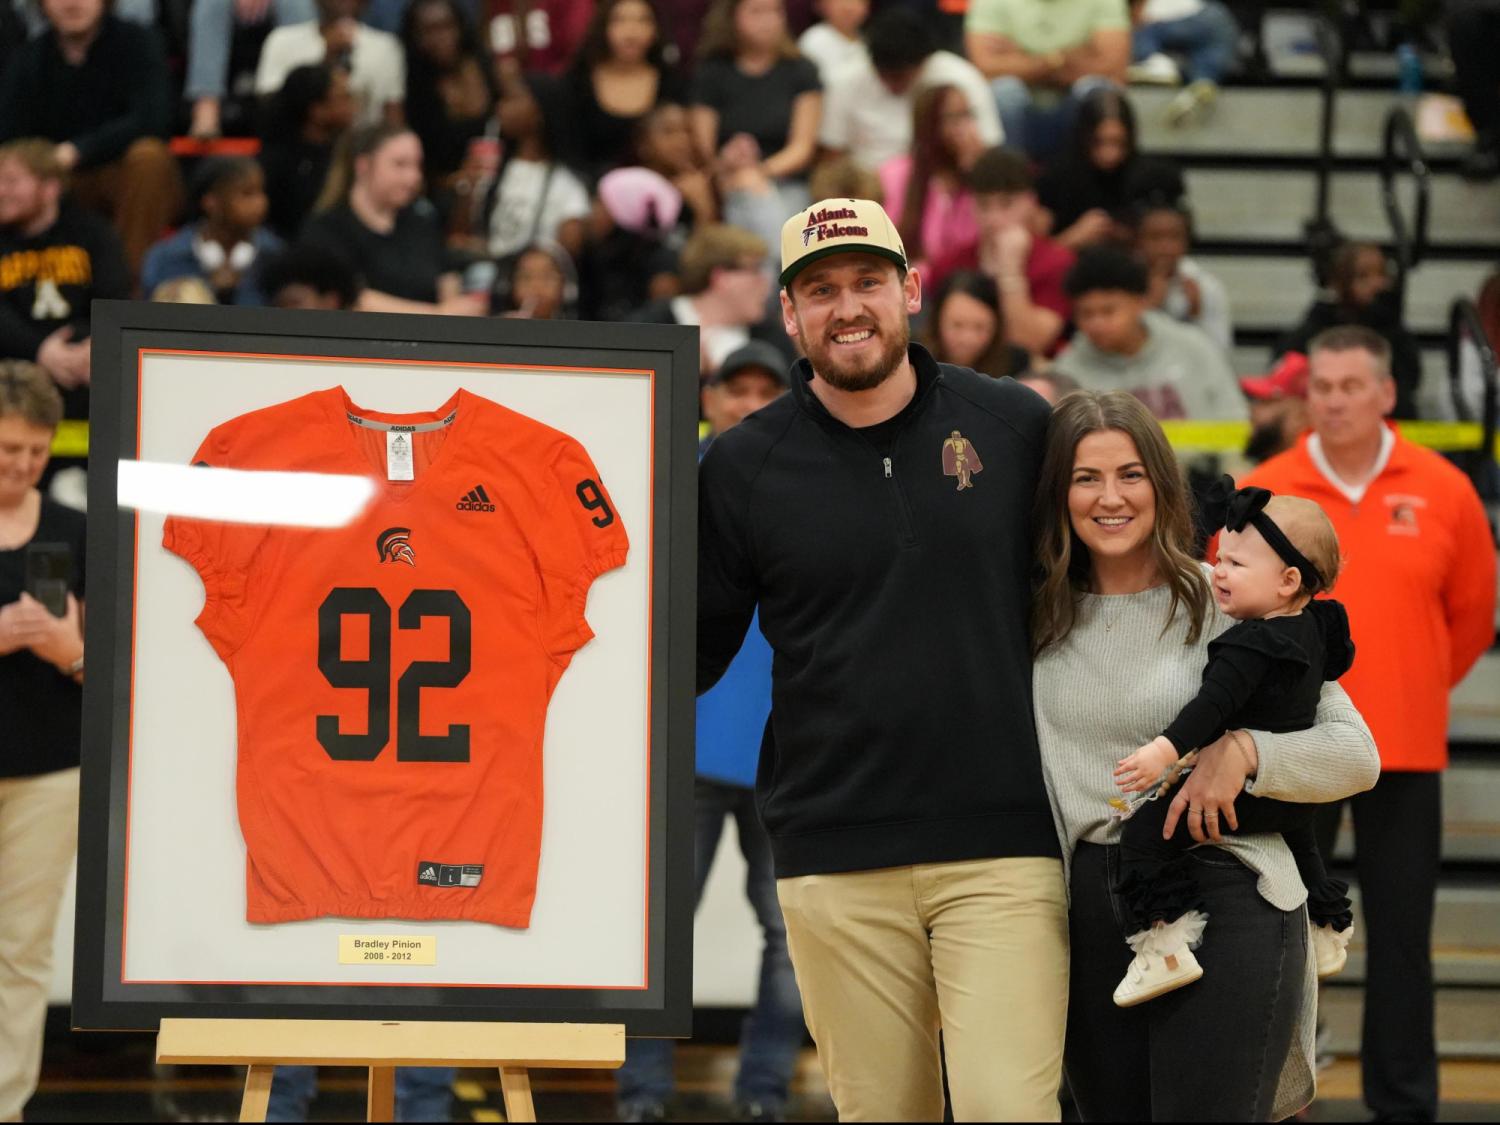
(114, 1079)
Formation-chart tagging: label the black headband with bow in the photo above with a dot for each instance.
(1234, 509)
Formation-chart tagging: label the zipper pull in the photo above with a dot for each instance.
(887, 461)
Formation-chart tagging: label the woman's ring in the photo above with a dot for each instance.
(1211, 814)
(1193, 810)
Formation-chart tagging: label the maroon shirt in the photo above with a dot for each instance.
(554, 29)
(1046, 268)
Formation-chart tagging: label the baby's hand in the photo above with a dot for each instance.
(1144, 768)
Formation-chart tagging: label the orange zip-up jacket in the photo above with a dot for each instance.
(1419, 584)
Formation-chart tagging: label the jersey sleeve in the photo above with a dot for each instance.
(223, 554)
(581, 537)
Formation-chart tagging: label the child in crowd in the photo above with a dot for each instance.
(1014, 249)
(834, 39)
(967, 327)
(1180, 287)
(1359, 291)
(542, 284)
(1266, 673)
(224, 247)
(1122, 344)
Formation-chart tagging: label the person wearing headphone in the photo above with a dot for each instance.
(226, 245)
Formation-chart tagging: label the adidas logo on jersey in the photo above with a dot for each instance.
(429, 875)
(476, 500)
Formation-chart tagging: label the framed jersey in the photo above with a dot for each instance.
(389, 704)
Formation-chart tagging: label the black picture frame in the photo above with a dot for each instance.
(121, 330)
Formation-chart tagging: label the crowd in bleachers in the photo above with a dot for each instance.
(629, 160)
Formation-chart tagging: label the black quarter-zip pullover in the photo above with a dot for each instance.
(897, 605)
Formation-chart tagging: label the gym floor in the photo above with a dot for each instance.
(112, 1077)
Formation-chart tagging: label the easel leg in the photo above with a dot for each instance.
(515, 1086)
(381, 1104)
(257, 1093)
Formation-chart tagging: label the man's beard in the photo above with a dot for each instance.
(860, 375)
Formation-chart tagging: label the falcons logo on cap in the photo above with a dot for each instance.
(394, 546)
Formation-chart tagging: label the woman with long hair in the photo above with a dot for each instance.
(303, 124)
(967, 327)
(450, 93)
(619, 75)
(928, 189)
(757, 102)
(372, 215)
(1102, 175)
(1122, 618)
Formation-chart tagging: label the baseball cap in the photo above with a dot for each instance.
(757, 353)
(1288, 379)
(837, 226)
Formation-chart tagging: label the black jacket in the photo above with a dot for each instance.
(49, 281)
(897, 605)
(119, 94)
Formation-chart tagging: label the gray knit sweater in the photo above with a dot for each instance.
(1114, 684)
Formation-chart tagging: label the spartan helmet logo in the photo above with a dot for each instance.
(394, 546)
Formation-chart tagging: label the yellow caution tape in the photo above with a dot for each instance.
(1230, 437)
(72, 437)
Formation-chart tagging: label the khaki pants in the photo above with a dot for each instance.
(141, 192)
(38, 838)
(885, 959)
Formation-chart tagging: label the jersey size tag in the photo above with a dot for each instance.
(398, 458)
(449, 874)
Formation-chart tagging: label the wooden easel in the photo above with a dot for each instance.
(513, 1048)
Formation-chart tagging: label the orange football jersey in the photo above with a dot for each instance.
(392, 676)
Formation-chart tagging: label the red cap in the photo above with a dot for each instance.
(1288, 379)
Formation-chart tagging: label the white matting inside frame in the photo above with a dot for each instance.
(185, 887)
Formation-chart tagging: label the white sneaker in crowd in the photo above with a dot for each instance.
(1192, 105)
(1154, 70)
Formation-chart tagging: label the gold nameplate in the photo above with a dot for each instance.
(387, 949)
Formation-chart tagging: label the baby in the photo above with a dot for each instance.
(1265, 673)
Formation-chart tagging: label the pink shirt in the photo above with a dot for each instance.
(950, 223)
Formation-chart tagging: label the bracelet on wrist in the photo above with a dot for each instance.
(1251, 765)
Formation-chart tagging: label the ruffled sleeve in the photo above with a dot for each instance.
(1338, 644)
(1255, 635)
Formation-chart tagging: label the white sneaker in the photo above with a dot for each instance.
(1164, 960)
(1149, 977)
(1192, 105)
(1331, 948)
(1154, 70)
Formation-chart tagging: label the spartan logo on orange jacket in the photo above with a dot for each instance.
(394, 545)
(961, 460)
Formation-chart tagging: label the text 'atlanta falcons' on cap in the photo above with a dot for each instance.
(837, 226)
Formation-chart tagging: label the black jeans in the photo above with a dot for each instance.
(1158, 882)
(1212, 1051)
(773, 1032)
(1474, 39)
(1398, 831)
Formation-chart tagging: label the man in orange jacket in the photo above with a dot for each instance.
(1419, 584)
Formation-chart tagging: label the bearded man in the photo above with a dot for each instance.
(917, 864)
